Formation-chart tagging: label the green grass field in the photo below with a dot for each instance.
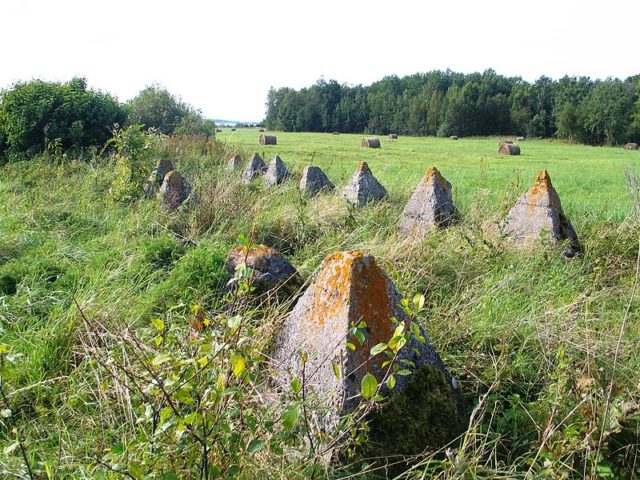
(544, 349)
(590, 180)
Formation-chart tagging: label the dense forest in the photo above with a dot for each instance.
(447, 103)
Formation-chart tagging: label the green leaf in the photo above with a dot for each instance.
(336, 369)
(165, 413)
(390, 382)
(237, 364)
(255, 445)
(296, 386)
(368, 386)
(232, 471)
(192, 417)
(415, 328)
(360, 336)
(157, 323)
(381, 347)
(290, 417)
(160, 359)
(351, 346)
(418, 301)
(404, 372)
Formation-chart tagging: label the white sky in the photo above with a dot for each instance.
(222, 56)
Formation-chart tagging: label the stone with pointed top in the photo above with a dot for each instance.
(430, 206)
(234, 163)
(160, 170)
(314, 181)
(537, 213)
(270, 268)
(363, 187)
(351, 288)
(276, 172)
(255, 168)
(175, 191)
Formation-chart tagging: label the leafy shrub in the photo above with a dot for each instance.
(155, 107)
(37, 115)
(134, 151)
(194, 125)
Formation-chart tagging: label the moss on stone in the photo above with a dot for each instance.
(426, 414)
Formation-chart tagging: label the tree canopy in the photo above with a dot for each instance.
(449, 103)
(36, 114)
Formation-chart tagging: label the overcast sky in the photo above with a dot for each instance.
(222, 56)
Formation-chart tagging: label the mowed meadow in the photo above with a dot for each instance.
(103, 302)
(590, 180)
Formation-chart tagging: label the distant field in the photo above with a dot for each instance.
(590, 180)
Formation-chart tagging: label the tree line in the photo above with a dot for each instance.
(445, 103)
(39, 116)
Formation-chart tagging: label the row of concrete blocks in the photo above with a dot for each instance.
(537, 213)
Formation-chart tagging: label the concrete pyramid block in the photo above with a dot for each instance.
(538, 213)
(430, 206)
(255, 168)
(175, 190)
(270, 268)
(350, 288)
(234, 163)
(276, 172)
(314, 181)
(160, 170)
(363, 187)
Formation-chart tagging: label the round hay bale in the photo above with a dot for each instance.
(521, 139)
(393, 136)
(631, 146)
(335, 133)
(268, 140)
(218, 130)
(233, 129)
(453, 137)
(261, 130)
(371, 142)
(507, 147)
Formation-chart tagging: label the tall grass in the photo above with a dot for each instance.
(544, 349)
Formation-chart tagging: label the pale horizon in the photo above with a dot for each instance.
(222, 58)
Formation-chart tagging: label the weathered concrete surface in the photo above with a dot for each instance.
(314, 181)
(349, 288)
(363, 187)
(160, 170)
(234, 163)
(270, 268)
(538, 214)
(276, 172)
(255, 168)
(430, 206)
(175, 191)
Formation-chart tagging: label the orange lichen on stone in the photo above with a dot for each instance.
(541, 187)
(434, 173)
(363, 167)
(257, 251)
(352, 285)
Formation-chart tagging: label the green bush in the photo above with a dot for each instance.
(37, 115)
(194, 124)
(155, 107)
